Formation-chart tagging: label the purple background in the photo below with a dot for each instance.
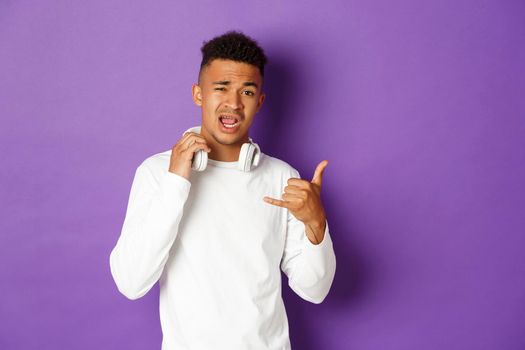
(418, 106)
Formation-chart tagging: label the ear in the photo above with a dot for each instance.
(196, 94)
(261, 100)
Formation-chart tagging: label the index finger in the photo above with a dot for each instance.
(187, 136)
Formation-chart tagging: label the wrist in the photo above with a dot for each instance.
(317, 224)
(315, 231)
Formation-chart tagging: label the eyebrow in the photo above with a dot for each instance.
(227, 82)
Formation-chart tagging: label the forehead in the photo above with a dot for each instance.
(229, 70)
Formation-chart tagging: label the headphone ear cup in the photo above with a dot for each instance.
(245, 157)
(200, 160)
(257, 155)
(249, 156)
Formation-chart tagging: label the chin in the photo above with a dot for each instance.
(227, 139)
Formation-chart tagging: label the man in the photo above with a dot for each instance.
(216, 239)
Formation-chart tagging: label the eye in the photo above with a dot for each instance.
(248, 92)
(219, 89)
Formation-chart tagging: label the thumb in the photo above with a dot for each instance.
(318, 174)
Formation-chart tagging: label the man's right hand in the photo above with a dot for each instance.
(182, 153)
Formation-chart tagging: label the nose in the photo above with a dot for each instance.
(233, 100)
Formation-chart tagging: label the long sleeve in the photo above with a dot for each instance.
(310, 267)
(153, 214)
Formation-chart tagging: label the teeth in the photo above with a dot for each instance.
(229, 126)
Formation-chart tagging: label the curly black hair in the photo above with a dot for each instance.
(235, 46)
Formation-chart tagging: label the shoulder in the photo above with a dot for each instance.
(278, 166)
(156, 165)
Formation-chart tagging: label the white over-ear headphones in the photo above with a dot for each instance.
(249, 156)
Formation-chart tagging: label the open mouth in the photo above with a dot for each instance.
(229, 121)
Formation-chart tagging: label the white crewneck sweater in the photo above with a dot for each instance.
(217, 251)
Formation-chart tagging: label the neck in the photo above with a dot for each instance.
(224, 153)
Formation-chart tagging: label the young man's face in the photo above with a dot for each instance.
(230, 95)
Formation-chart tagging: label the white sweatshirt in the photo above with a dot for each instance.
(217, 251)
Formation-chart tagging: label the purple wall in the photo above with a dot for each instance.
(419, 107)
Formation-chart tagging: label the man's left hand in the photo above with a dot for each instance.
(303, 199)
